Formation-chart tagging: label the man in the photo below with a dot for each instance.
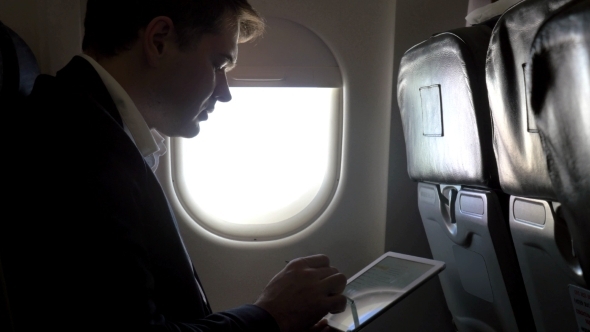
(101, 249)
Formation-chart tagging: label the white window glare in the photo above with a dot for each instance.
(262, 158)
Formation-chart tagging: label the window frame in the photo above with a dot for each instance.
(281, 228)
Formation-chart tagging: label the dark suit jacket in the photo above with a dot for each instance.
(95, 245)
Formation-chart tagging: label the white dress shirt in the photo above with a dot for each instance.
(149, 142)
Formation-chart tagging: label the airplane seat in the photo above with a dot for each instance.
(447, 127)
(18, 66)
(541, 237)
(559, 84)
(18, 70)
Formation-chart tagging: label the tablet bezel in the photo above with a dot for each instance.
(437, 267)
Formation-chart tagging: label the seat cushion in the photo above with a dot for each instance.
(18, 66)
(521, 161)
(559, 81)
(444, 108)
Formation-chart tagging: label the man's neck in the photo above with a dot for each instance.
(128, 70)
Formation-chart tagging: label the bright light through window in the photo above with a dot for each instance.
(263, 157)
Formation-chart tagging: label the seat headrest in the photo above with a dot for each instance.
(559, 85)
(444, 109)
(18, 66)
(521, 161)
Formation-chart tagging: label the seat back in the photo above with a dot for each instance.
(6, 323)
(441, 80)
(447, 128)
(516, 141)
(559, 81)
(541, 237)
(18, 70)
(18, 66)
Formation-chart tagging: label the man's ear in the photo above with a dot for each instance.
(159, 37)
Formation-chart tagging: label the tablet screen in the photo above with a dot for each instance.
(376, 288)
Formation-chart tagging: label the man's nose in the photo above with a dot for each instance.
(222, 92)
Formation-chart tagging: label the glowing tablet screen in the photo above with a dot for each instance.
(376, 288)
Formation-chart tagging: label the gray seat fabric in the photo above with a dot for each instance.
(18, 66)
(18, 70)
(447, 127)
(516, 141)
(439, 80)
(560, 98)
(541, 236)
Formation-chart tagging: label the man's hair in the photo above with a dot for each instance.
(112, 26)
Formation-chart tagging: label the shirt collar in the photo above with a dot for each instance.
(135, 125)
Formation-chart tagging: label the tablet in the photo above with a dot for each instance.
(379, 286)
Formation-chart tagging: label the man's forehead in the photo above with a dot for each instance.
(225, 44)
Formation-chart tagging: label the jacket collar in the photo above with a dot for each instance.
(79, 75)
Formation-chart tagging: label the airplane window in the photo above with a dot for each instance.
(264, 158)
(265, 165)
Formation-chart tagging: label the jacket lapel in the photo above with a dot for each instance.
(79, 75)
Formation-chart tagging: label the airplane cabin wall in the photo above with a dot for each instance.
(52, 29)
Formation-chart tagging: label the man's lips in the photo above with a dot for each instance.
(204, 115)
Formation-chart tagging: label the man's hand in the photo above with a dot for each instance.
(322, 326)
(303, 292)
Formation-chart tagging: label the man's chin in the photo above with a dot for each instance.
(191, 131)
(185, 132)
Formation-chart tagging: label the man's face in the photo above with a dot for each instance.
(192, 81)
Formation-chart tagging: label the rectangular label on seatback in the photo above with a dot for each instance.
(529, 211)
(472, 204)
(581, 302)
(432, 120)
(427, 195)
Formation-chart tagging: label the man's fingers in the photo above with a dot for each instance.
(303, 292)
(322, 323)
(333, 284)
(325, 272)
(316, 261)
(321, 326)
(336, 304)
